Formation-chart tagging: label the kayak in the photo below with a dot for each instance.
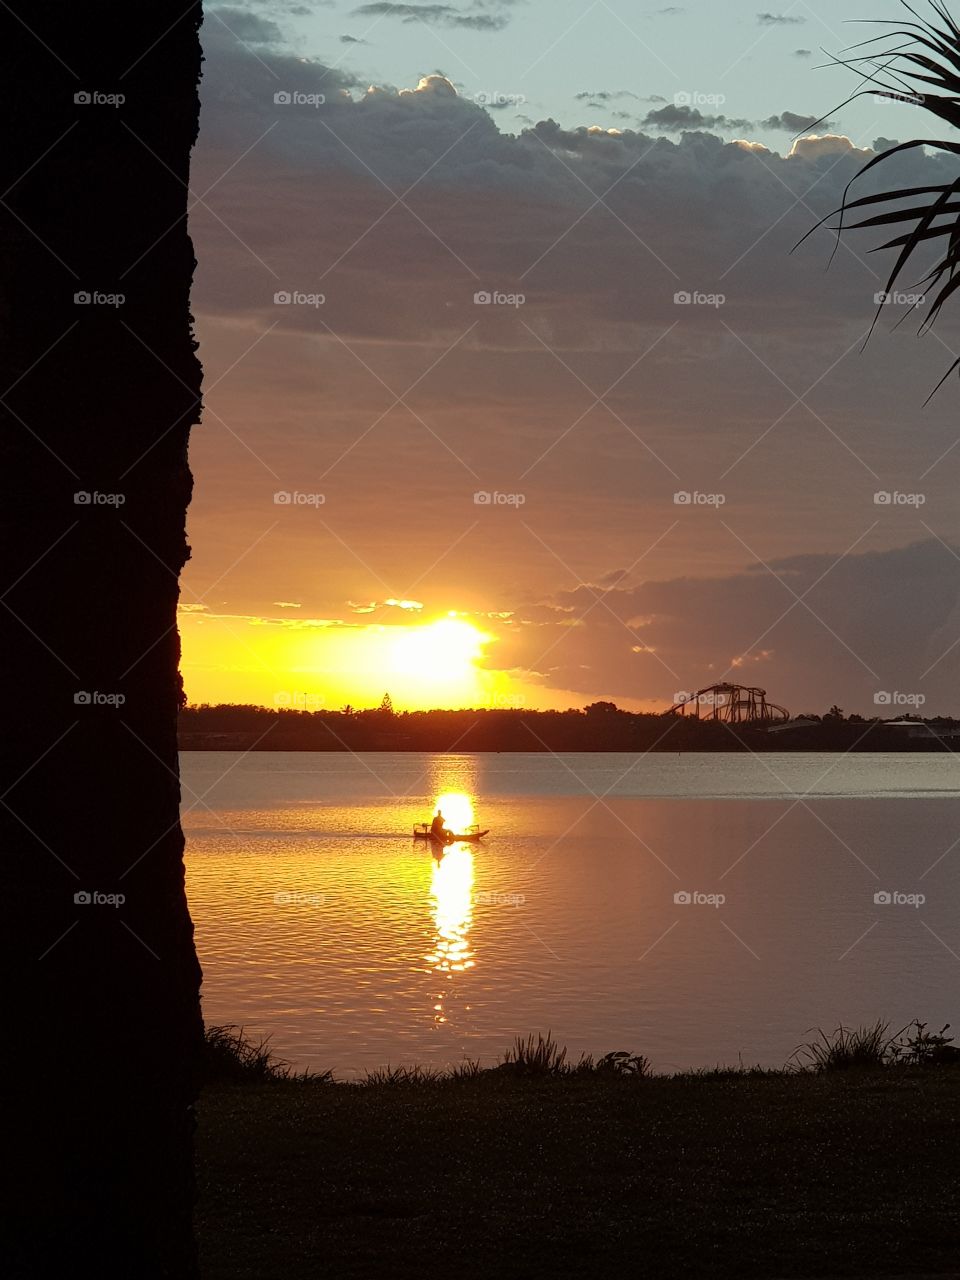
(423, 832)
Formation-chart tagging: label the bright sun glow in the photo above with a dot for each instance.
(439, 662)
(457, 810)
(440, 651)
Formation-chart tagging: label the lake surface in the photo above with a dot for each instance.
(321, 923)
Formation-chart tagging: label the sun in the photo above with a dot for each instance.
(438, 652)
(442, 661)
(457, 810)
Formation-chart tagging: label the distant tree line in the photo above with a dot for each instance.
(602, 726)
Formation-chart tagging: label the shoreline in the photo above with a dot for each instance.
(600, 728)
(188, 745)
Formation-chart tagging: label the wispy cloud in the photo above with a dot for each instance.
(443, 15)
(603, 95)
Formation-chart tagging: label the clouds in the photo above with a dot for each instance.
(790, 122)
(676, 119)
(817, 146)
(381, 606)
(864, 623)
(475, 18)
(596, 398)
(810, 629)
(400, 205)
(245, 26)
(606, 95)
(693, 112)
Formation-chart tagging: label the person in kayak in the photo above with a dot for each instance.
(438, 828)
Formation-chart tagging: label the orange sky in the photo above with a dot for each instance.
(422, 663)
(678, 493)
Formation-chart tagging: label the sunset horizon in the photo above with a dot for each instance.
(577, 386)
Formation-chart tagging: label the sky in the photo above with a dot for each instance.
(515, 392)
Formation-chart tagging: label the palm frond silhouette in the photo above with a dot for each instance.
(917, 62)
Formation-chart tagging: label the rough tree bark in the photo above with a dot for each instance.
(101, 1007)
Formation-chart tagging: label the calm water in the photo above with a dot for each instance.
(321, 923)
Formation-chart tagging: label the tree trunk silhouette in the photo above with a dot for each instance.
(97, 397)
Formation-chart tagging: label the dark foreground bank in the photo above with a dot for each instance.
(847, 1173)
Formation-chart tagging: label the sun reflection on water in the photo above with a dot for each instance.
(451, 892)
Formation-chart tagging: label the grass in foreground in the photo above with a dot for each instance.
(230, 1058)
(562, 1170)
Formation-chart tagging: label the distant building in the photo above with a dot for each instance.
(920, 729)
(798, 722)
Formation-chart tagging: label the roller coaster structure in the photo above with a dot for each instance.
(729, 704)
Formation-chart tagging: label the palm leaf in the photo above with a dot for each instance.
(914, 55)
